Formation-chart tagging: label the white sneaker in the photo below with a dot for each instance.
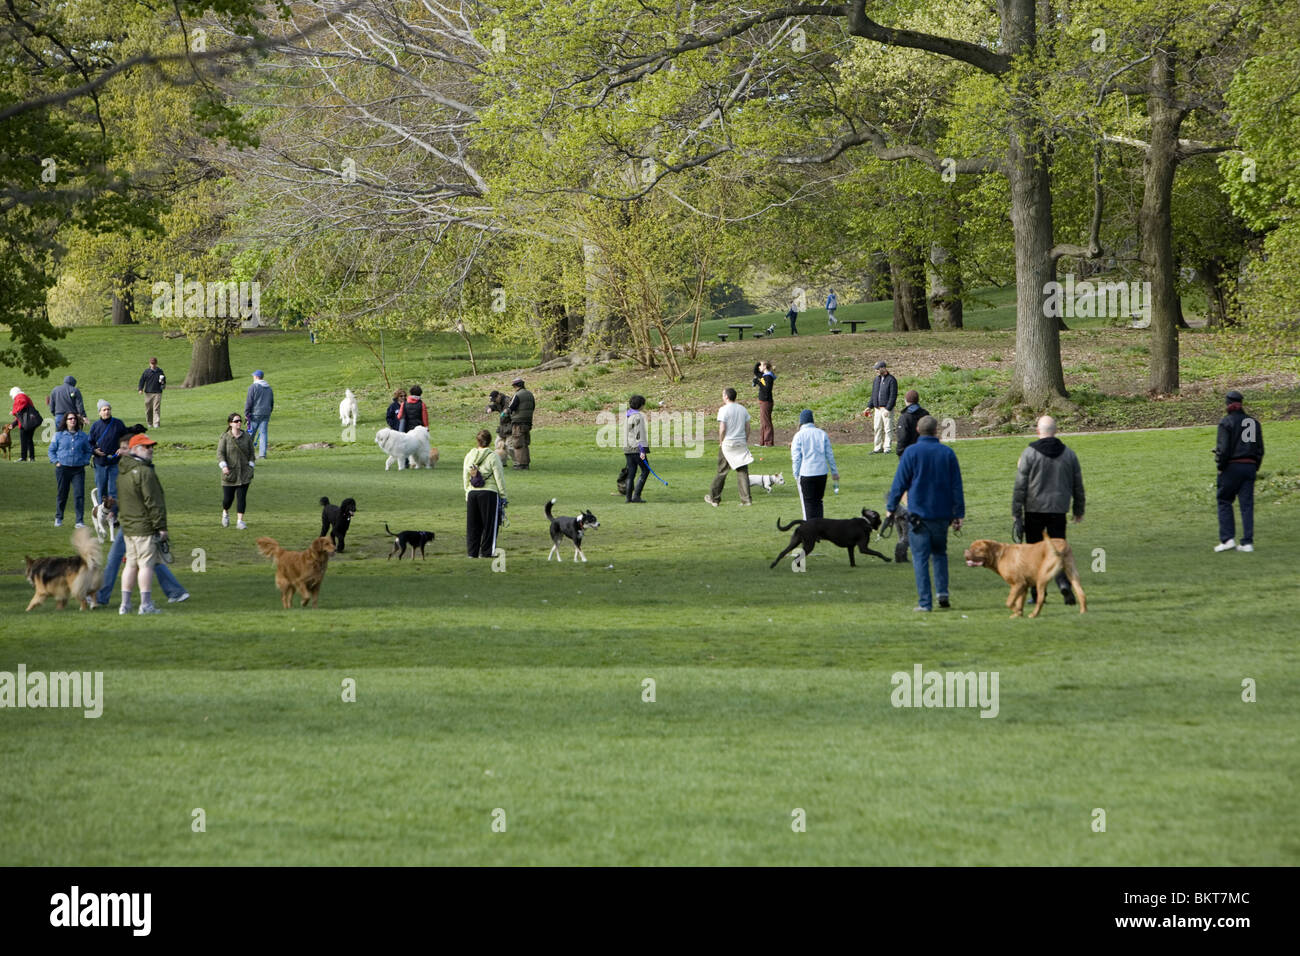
(225, 521)
(708, 499)
(1228, 545)
(124, 609)
(177, 600)
(1245, 547)
(241, 526)
(149, 609)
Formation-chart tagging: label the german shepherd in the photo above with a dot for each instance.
(79, 576)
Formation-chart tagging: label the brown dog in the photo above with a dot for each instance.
(6, 442)
(1028, 565)
(301, 571)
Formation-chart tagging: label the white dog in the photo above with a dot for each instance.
(407, 448)
(348, 409)
(767, 481)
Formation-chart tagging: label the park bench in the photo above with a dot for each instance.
(722, 336)
(854, 323)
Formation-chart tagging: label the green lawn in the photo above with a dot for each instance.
(523, 691)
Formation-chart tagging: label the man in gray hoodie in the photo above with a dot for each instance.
(64, 399)
(1047, 478)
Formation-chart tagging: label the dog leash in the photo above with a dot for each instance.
(652, 471)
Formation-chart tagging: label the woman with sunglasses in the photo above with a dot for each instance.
(70, 453)
(235, 455)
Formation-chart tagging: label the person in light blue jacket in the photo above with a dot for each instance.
(70, 453)
(810, 459)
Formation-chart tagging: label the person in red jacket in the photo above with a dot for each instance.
(27, 419)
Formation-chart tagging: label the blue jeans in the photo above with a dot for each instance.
(166, 580)
(106, 480)
(74, 477)
(930, 543)
(1237, 481)
(257, 431)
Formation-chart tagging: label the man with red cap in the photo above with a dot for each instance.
(142, 512)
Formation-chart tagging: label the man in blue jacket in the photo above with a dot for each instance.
(1238, 452)
(105, 435)
(884, 395)
(258, 405)
(928, 471)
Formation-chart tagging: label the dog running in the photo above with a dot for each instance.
(572, 528)
(300, 571)
(79, 576)
(336, 519)
(767, 481)
(847, 533)
(1028, 565)
(415, 540)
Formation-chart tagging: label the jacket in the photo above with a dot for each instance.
(70, 449)
(25, 413)
(931, 476)
(1240, 436)
(884, 391)
(66, 398)
(105, 436)
(141, 509)
(521, 407)
(810, 453)
(237, 455)
(907, 433)
(765, 383)
(1047, 476)
(394, 410)
(489, 466)
(415, 413)
(152, 382)
(260, 401)
(636, 433)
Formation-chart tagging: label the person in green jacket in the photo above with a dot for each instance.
(235, 454)
(142, 512)
(482, 500)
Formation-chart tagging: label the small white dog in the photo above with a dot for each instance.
(348, 409)
(767, 481)
(407, 448)
(104, 519)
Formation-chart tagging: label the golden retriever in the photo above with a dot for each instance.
(1028, 565)
(301, 571)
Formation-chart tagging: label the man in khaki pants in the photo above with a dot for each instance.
(152, 383)
(884, 395)
(143, 516)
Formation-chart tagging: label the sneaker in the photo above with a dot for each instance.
(1245, 547)
(943, 602)
(638, 501)
(79, 524)
(185, 596)
(708, 500)
(124, 609)
(225, 521)
(149, 609)
(241, 525)
(746, 504)
(919, 608)
(1228, 545)
(58, 522)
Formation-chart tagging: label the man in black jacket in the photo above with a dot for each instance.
(1238, 452)
(884, 395)
(1048, 476)
(907, 420)
(520, 411)
(152, 383)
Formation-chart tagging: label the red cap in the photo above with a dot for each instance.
(141, 440)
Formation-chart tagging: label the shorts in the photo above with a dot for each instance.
(141, 550)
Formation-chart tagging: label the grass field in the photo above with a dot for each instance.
(523, 691)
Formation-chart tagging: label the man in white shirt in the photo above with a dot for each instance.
(733, 448)
(810, 459)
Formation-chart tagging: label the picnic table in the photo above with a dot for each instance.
(854, 323)
(740, 329)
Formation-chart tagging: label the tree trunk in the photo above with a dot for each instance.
(124, 304)
(209, 360)
(1155, 224)
(907, 275)
(945, 288)
(876, 285)
(1220, 294)
(553, 321)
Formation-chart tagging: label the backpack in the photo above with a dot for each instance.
(476, 479)
(30, 419)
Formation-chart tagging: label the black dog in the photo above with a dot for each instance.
(412, 539)
(336, 519)
(902, 524)
(571, 528)
(847, 533)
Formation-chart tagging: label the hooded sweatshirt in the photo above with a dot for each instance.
(1047, 477)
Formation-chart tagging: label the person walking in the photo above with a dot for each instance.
(832, 302)
(27, 419)
(63, 399)
(907, 419)
(142, 511)
(152, 383)
(415, 413)
(764, 378)
(636, 444)
(1238, 451)
(884, 395)
(235, 456)
(105, 437)
(521, 410)
(811, 458)
(70, 453)
(485, 486)
(258, 405)
(1048, 476)
(733, 449)
(173, 588)
(394, 414)
(793, 316)
(931, 476)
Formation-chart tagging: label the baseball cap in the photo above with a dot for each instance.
(518, 381)
(141, 440)
(1234, 396)
(257, 374)
(881, 364)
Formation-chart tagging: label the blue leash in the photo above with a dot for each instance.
(652, 471)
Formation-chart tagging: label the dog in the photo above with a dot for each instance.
(767, 481)
(1028, 565)
(845, 532)
(79, 576)
(502, 451)
(348, 408)
(407, 447)
(103, 515)
(6, 442)
(301, 571)
(572, 528)
(336, 519)
(901, 524)
(412, 539)
(770, 330)
(497, 402)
